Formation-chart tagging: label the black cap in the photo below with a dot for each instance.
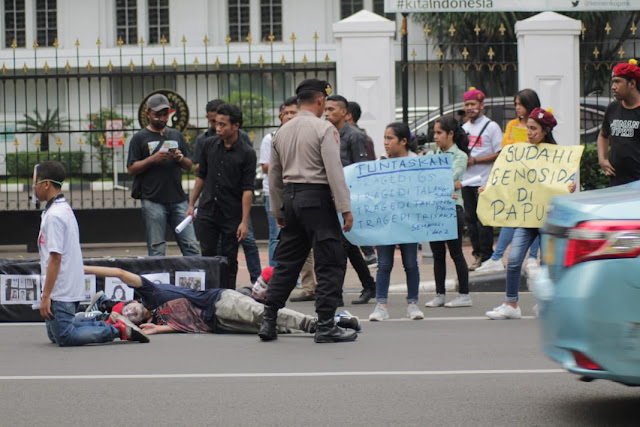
(316, 85)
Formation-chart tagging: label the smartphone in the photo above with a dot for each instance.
(172, 150)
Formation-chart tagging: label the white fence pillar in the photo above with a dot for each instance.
(548, 62)
(365, 70)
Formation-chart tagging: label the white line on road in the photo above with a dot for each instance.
(280, 374)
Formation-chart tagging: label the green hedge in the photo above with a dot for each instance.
(591, 175)
(21, 164)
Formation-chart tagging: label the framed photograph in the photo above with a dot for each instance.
(158, 278)
(117, 290)
(89, 287)
(191, 279)
(19, 289)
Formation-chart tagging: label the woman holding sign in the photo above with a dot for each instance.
(451, 139)
(398, 143)
(525, 101)
(539, 127)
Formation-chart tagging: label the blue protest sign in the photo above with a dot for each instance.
(402, 200)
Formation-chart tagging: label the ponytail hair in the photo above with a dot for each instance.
(460, 137)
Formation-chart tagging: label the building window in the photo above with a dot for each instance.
(271, 19)
(127, 21)
(46, 22)
(158, 20)
(349, 7)
(378, 8)
(239, 20)
(14, 23)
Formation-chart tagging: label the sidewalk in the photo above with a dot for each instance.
(491, 282)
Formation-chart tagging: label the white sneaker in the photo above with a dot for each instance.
(379, 314)
(531, 268)
(438, 301)
(413, 312)
(505, 311)
(463, 300)
(490, 265)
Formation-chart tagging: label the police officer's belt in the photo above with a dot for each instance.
(294, 187)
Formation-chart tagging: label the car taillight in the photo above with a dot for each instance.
(584, 362)
(602, 239)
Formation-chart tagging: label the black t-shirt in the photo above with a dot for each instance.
(622, 126)
(161, 182)
(227, 174)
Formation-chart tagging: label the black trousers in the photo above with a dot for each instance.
(359, 265)
(455, 250)
(310, 222)
(481, 236)
(218, 237)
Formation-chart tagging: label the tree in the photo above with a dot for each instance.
(96, 136)
(255, 109)
(46, 125)
(480, 32)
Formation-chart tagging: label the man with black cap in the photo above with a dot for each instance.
(307, 188)
(157, 155)
(621, 127)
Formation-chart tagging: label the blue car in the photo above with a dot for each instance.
(588, 289)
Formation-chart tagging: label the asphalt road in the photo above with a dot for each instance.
(455, 368)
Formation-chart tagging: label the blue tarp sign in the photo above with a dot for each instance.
(402, 200)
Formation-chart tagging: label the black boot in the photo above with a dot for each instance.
(327, 330)
(268, 330)
(365, 296)
(350, 322)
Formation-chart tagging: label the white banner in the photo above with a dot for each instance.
(508, 5)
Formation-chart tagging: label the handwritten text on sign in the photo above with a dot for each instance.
(402, 200)
(523, 180)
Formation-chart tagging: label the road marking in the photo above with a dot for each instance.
(282, 374)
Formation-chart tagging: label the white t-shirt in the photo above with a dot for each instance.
(265, 156)
(488, 143)
(59, 233)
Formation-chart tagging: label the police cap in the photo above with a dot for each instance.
(315, 85)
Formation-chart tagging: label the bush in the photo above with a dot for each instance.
(591, 175)
(21, 164)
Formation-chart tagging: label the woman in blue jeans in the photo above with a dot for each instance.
(539, 126)
(398, 143)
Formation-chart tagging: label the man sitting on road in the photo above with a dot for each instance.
(166, 308)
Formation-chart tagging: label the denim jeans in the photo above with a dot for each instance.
(522, 239)
(274, 231)
(64, 331)
(251, 254)
(409, 252)
(156, 216)
(505, 237)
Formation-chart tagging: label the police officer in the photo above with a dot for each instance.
(307, 188)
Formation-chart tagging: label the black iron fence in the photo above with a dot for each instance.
(65, 106)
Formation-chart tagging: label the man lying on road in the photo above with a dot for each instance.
(166, 308)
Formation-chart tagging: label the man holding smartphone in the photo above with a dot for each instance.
(158, 155)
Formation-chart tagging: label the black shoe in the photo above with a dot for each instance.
(303, 297)
(268, 331)
(328, 331)
(350, 322)
(365, 296)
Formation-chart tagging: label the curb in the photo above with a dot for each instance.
(490, 282)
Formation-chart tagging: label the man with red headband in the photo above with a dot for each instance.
(619, 139)
(485, 143)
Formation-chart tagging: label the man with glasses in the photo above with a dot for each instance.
(62, 270)
(157, 156)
